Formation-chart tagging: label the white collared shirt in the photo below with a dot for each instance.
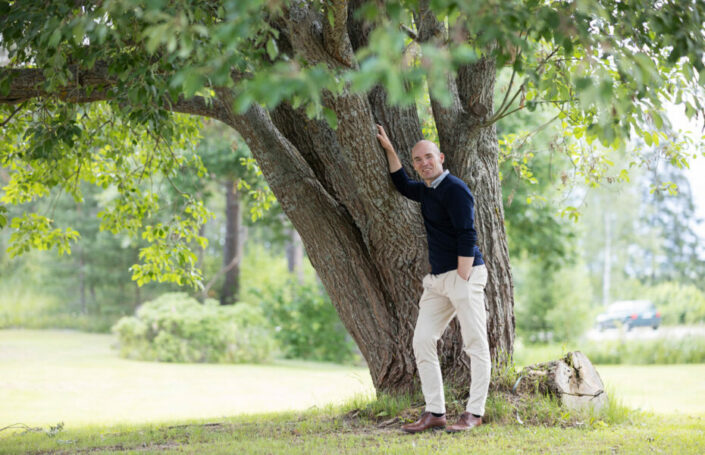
(439, 179)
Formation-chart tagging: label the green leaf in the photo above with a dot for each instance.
(272, 49)
(55, 38)
(193, 82)
(331, 118)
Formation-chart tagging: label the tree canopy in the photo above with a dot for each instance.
(606, 66)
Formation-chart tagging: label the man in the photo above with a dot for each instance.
(455, 286)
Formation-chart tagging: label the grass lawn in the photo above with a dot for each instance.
(48, 377)
(331, 433)
(663, 389)
(112, 405)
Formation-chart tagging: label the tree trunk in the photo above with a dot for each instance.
(607, 263)
(572, 379)
(295, 255)
(366, 241)
(231, 249)
(82, 278)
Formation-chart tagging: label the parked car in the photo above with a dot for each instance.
(630, 314)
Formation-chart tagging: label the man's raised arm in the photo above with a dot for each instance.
(392, 158)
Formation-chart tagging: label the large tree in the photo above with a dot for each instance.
(304, 82)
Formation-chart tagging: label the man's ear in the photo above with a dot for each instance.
(443, 157)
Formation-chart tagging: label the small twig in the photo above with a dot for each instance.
(221, 272)
(509, 89)
(548, 57)
(505, 114)
(536, 131)
(12, 115)
(21, 425)
(410, 33)
(173, 185)
(501, 112)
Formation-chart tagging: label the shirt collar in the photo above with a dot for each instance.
(439, 179)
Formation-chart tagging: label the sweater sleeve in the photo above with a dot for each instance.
(462, 216)
(407, 187)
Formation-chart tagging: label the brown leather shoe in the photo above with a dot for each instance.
(426, 422)
(466, 422)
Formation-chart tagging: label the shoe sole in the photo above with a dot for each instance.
(421, 431)
(448, 430)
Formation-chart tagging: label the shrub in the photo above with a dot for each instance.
(176, 328)
(307, 325)
(551, 305)
(689, 349)
(678, 304)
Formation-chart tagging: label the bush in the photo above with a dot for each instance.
(689, 349)
(176, 328)
(551, 305)
(307, 325)
(678, 304)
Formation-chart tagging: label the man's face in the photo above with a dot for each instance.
(427, 160)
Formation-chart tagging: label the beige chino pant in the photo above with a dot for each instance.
(445, 296)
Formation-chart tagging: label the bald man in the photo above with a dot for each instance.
(455, 286)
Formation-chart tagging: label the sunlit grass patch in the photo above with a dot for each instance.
(328, 431)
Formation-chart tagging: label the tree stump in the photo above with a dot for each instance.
(572, 379)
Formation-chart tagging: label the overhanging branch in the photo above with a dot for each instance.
(28, 83)
(90, 86)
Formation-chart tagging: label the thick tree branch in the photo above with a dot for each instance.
(197, 105)
(476, 94)
(446, 117)
(335, 35)
(305, 32)
(358, 30)
(90, 86)
(27, 83)
(428, 26)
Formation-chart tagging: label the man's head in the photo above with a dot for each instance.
(427, 160)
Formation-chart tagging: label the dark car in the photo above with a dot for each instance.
(629, 314)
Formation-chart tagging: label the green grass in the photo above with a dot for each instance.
(331, 433)
(75, 378)
(112, 405)
(664, 389)
(672, 389)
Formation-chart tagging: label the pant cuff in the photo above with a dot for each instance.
(435, 410)
(477, 412)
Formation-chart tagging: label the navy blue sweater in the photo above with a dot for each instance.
(449, 216)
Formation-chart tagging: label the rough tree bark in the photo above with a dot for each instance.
(365, 240)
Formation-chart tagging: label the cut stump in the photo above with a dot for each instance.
(572, 379)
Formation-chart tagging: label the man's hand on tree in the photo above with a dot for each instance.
(384, 140)
(392, 158)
